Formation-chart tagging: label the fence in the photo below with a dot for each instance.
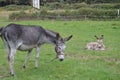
(46, 16)
(80, 17)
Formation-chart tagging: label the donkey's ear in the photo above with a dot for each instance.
(1, 29)
(68, 38)
(96, 37)
(58, 36)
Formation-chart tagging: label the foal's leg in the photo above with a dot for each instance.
(37, 56)
(11, 60)
(27, 58)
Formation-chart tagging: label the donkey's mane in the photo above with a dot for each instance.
(51, 33)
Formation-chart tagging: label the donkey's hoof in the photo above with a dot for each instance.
(12, 74)
(24, 67)
(36, 67)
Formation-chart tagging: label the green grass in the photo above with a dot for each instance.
(79, 64)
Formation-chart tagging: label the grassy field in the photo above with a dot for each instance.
(79, 64)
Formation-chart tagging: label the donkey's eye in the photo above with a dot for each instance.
(58, 47)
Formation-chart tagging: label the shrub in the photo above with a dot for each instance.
(58, 5)
(16, 7)
(106, 6)
(79, 5)
(68, 14)
(97, 12)
(55, 5)
(43, 12)
(17, 16)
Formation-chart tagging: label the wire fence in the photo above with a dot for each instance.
(80, 17)
(45, 16)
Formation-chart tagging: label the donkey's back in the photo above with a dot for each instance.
(20, 36)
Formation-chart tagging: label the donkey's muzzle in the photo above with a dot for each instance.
(61, 59)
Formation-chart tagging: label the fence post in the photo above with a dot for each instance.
(85, 17)
(118, 13)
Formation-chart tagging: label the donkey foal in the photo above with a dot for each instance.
(96, 45)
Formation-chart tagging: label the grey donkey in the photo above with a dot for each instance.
(26, 37)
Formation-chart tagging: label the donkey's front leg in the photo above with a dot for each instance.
(37, 56)
(11, 60)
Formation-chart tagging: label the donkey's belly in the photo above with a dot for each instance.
(26, 47)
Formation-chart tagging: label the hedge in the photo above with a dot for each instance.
(67, 14)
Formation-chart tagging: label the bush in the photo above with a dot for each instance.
(67, 14)
(17, 16)
(58, 5)
(16, 7)
(106, 6)
(79, 5)
(55, 5)
(97, 12)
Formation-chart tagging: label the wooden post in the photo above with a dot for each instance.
(36, 4)
(118, 13)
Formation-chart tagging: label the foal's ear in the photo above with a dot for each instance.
(68, 38)
(96, 37)
(102, 36)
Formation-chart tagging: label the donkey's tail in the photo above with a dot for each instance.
(1, 31)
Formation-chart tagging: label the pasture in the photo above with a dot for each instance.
(79, 64)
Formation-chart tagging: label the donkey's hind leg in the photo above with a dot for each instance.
(11, 53)
(11, 60)
(27, 58)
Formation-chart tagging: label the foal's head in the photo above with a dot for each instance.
(60, 46)
(100, 41)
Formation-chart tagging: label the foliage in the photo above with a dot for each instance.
(57, 5)
(17, 16)
(106, 6)
(96, 12)
(80, 14)
(61, 11)
(24, 2)
(86, 1)
(43, 2)
(16, 7)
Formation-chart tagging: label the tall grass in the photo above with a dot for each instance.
(79, 64)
